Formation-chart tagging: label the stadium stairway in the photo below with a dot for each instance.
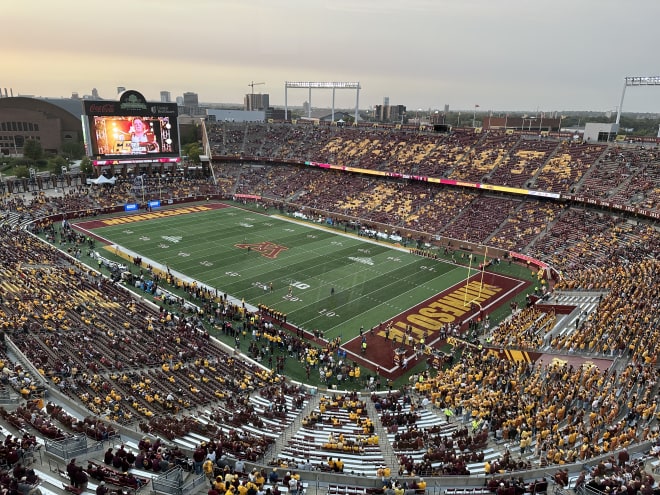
(532, 180)
(585, 303)
(543, 233)
(504, 159)
(623, 185)
(501, 226)
(280, 442)
(385, 445)
(578, 185)
(11, 218)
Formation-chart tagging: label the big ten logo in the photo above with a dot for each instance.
(427, 268)
(394, 259)
(364, 251)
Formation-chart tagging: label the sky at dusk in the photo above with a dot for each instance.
(523, 55)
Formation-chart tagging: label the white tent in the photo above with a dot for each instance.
(102, 179)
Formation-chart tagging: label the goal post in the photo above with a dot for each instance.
(481, 281)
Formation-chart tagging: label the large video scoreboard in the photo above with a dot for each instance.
(131, 130)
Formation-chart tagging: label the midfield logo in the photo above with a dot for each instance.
(266, 249)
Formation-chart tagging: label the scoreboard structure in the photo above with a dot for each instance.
(131, 130)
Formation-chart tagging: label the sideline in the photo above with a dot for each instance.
(120, 251)
(128, 255)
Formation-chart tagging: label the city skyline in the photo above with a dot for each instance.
(509, 55)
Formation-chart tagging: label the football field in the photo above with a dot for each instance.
(318, 277)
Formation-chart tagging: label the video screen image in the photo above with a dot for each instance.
(132, 136)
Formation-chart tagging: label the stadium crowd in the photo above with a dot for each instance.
(128, 362)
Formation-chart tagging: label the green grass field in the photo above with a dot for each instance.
(372, 281)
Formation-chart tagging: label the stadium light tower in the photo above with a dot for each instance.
(322, 85)
(635, 81)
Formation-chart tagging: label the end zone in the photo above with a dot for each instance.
(390, 347)
(147, 215)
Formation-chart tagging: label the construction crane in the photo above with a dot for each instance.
(253, 84)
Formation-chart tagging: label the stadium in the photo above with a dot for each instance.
(153, 320)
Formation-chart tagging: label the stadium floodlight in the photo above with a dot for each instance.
(635, 81)
(333, 85)
(643, 81)
(322, 85)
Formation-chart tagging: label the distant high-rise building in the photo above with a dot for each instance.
(75, 95)
(95, 94)
(190, 99)
(256, 102)
(386, 101)
(165, 97)
(190, 103)
(179, 100)
(390, 113)
(120, 89)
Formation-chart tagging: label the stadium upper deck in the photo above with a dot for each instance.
(623, 173)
